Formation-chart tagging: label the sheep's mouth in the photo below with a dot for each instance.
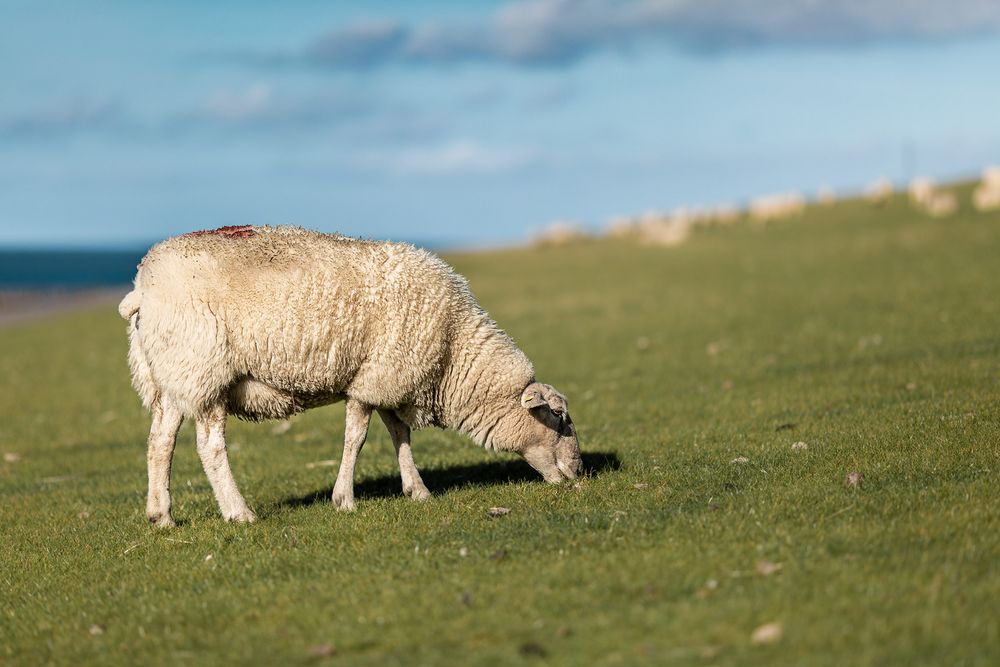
(570, 470)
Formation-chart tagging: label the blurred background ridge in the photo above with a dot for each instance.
(472, 125)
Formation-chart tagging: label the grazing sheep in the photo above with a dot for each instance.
(921, 190)
(559, 234)
(879, 192)
(941, 204)
(777, 207)
(986, 198)
(991, 177)
(265, 322)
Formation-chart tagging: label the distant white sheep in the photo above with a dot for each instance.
(986, 197)
(777, 206)
(991, 177)
(941, 204)
(879, 192)
(265, 322)
(560, 233)
(921, 190)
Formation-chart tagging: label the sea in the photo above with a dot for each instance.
(67, 269)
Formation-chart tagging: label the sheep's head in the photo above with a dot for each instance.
(547, 437)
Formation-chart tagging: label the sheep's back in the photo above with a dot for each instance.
(305, 313)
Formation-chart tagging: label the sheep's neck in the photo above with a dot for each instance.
(483, 380)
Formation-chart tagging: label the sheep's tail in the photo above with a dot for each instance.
(129, 305)
(142, 374)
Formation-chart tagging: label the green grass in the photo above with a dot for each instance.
(873, 335)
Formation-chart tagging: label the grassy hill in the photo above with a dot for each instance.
(872, 335)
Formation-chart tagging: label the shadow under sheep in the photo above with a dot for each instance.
(441, 480)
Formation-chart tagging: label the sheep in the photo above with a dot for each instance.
(879, 192)
(986, 198)
(777, 206)
(991, 177)
(921, 191)
(560, 233)
(941, 204)
(265, 322)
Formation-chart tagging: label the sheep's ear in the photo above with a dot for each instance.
(556, 402)
(532, 396)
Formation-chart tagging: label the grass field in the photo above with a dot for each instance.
(871, 335)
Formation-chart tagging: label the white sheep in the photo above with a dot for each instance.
(991, 177)
(986, 198)
(777, 206)
(880, 191)
(265, 322)
(941, 204)
(921, 190)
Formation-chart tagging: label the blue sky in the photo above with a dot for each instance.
(471, 124)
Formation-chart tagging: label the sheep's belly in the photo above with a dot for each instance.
(256, 401)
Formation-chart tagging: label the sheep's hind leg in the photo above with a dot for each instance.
(159, 456)
(211, 431)
(355, 432)
(413, 485)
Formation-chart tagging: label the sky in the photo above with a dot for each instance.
(471, 124)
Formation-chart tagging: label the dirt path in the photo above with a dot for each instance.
(24, 305)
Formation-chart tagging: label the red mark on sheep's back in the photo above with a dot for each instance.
(229, 232)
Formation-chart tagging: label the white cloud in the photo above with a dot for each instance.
(454, 157)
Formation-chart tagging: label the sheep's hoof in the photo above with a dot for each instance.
(243, 516)
(343, 502)
(161, 520)
(418, 493)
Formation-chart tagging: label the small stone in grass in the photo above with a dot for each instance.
(322, 650)
(463, 552)
(209, 557)
(853, 479)
(766, 568)
(494, 512)
(768, 633)
(640, 487)
(531, 650)
(11, 457)
(799, 446)
(910, 386)
(740, 459)
(97, 629)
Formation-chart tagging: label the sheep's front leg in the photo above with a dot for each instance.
(413, 486)
(159, 455)
(355, 432)
(211, 431)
